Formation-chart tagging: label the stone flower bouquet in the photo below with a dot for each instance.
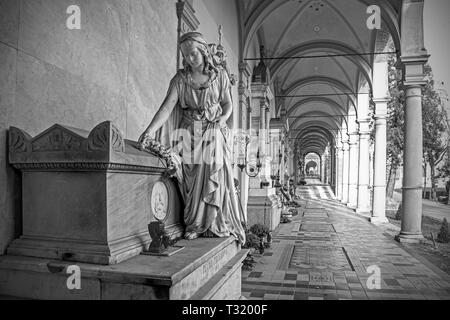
(173, 161)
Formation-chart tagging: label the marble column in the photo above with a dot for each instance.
(245, 106)
(333, 169)
(414, 56)
(411, 230)
(363, 205)
(339, 156)
(295, 165)
(262, 129)
(379, 175)
(269, 152)
(353, 172)
(345, 171)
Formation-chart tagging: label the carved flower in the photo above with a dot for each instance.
(162, 152)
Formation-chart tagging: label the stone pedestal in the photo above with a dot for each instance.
(207, 269)
(264, 207)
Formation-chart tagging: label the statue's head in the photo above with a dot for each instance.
(195, 52)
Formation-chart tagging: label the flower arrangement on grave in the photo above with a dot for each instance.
(157, 149)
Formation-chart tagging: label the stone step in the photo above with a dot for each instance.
(226, 283)
(142, 277)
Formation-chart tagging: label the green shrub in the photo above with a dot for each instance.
(252, 241)
(259, 229)
(248, 262)
(443, 235)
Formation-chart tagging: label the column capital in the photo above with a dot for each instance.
(413, 73)
(416, 59)
(380, 117)
(353, 139)
(414, 84)
(364, 135)
(380, 100)
(364, 127)
(345, 146)
(380, 108)
(363, 120)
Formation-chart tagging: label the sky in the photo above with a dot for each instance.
(437, 41)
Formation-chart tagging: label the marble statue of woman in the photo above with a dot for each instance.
(198, 102)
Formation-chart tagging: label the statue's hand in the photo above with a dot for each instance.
(143, 141)
(222, 121)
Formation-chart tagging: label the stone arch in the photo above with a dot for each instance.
(389, 16)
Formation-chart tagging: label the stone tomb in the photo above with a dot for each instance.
(86, 200)
(86, 195)
(264, 207)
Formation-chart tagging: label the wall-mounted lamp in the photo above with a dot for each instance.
(252, 170)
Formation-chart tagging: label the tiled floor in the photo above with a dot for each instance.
(328, 252)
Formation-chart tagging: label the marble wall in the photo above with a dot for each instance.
(117, 67)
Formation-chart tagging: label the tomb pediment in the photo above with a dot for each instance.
(65, 147)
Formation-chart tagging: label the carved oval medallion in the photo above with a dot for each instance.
(159, 201)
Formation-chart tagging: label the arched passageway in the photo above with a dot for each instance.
(325, 67)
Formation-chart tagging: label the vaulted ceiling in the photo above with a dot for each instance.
(325, 86)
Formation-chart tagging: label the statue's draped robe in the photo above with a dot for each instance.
(206, 179)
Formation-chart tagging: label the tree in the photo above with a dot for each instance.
(395, 125)
(444, 235)
(434, 126)
(444, 172)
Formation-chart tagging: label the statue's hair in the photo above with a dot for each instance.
(207, 57)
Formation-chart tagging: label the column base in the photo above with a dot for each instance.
(363, 210)
(409, 238)
(343, 201)
(351, 205)
(378, 220)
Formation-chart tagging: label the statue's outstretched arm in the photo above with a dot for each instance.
(161, 116)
